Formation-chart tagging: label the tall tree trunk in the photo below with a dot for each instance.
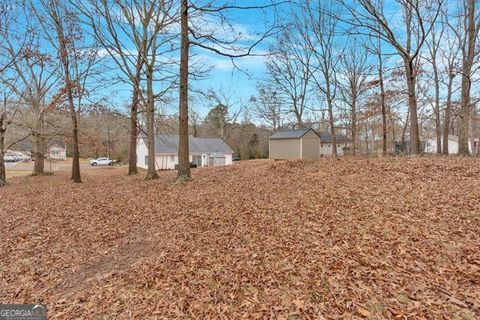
(183, 150)
(404, 131)
(383, 103)
(331, 121)
(463, 139)
(76, 177)
(300, 124)
(151, 168)
(3, 173)
(38, 153)
(433, 48)
(132, 155)
(38, 141)
(354, 126)
(367, 149)
(447, 116)
(438, 124)
(71, 104)
(412, 107)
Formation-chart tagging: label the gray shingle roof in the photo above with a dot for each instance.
(327, 137)
(169, 144)
(290, 134)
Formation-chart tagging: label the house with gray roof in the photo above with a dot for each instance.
(305, 144)
(203, 152)
(326, 144)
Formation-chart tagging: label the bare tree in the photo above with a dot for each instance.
(354, 65)
(136, 36)
(155, 19)
(268, 106)
(32, 77)
(418, 17)
(383, 103)
(77, 59)
(111, 23)
(8, 110)
(317, 25)
(449, 52)
(209, 40)
(5, 121)
(472, 26)
(433, 46)
(289, 73)
(224, 113)
(195, 120)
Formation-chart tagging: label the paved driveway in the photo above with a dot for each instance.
(49, 165)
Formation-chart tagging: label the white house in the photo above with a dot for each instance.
(204, 152)
(431, 145)
(57, 150)
(326, 147)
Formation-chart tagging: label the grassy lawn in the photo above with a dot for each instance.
(350, 238)
(17, 173)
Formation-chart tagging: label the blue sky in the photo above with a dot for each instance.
(239, 84)
(224, 76)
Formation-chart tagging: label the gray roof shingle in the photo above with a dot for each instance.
(169, 144)
(327, 137)
(290, 134)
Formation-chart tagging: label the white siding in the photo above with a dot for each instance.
(142, 151)
(168, 161)
(431, 146)
(326, 148)
(228, 159)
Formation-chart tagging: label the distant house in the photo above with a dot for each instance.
(294, 144)
(326, 144)
(431, 145)
(403, 146)
(57, 150)
(204, 152)
(304, 144)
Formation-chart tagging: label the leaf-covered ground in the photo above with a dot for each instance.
(393, 238)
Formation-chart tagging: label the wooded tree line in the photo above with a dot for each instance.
(381, 71)
(377, 70)
(57, 55)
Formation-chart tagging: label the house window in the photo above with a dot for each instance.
(146, 159)
(172, 158)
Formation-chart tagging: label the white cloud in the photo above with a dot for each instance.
(220, 63)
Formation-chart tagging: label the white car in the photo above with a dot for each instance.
(102, 162)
